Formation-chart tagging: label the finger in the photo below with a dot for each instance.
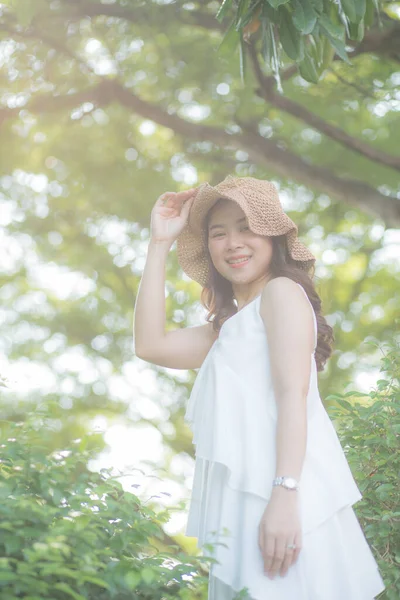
(261, 541)
(292, 555)
(186, 208)
(162, 199)
(299, 542)
(279, 556)
(180, 197)
(269, 551)
(287, 561)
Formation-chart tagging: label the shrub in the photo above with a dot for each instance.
(369, 432)
(66, 532)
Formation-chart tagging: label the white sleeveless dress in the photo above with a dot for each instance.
(233, 414)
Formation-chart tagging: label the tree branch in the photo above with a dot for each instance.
(380, 41)
(261, 150)
(156, 15)
(284, 103)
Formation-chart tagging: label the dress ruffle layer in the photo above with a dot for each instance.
(335, 562)
(235, 425)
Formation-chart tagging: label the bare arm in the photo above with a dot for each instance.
(289, 326)
(182, 348)
(149, 320)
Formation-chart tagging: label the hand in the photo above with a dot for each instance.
(169, 215)
(280, 526)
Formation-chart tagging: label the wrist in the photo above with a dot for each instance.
(279, 490)
(286, 481)
(284, 497)
(159, 246)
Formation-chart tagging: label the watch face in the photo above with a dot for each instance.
(290, 482)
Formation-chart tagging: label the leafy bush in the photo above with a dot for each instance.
(66, 532)
(370, 433)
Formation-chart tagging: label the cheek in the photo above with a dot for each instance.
(263, 251)
(214, 250)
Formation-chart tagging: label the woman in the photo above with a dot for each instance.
(272, 490)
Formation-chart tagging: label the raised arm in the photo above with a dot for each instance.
(183, 348)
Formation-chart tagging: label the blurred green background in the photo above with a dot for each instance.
(104, 106)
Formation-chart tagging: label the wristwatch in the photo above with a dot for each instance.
(290, 483)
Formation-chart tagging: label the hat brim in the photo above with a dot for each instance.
(265, 216)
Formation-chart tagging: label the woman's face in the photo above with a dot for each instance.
(229, 238)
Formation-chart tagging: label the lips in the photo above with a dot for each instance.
(243, 261)
(239, 257)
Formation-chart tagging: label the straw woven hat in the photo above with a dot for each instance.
(259, 201)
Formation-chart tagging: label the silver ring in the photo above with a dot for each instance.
(291, 546)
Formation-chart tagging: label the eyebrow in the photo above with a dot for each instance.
(217, 225)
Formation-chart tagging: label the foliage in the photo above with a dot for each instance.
(369, 431)
(310, 32)
(104, 106)
(67, 532)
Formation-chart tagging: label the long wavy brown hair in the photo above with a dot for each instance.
(217, 296)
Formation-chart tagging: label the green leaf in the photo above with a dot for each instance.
(95, 580)
(334, 397)
(148, 575)
(291, 40)
(230, 41)
(361, 7)
(335, 31)
(308, 69)
(242, 59)
(304, 17)
(340, 49)
(349, 9)
(241, 12)
(384, 489)
(277, 3)
(318, 6)
(334, 34)
(132, 580)
(354, 10)
(369, 13)
(7, 576)
(269, 14)
(328, 52)
(346, 405)
(225, 6)
(64, 587)
(248, 16)
(266, 46)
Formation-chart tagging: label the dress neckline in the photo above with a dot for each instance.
(239, 311)
(248, 304)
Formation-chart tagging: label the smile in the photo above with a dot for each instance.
(239, 262)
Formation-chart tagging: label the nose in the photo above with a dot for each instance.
(234, 240)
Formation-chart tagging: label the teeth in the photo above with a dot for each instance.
(239, 260)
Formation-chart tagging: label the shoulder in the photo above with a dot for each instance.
(282, 297)
(279, 287)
